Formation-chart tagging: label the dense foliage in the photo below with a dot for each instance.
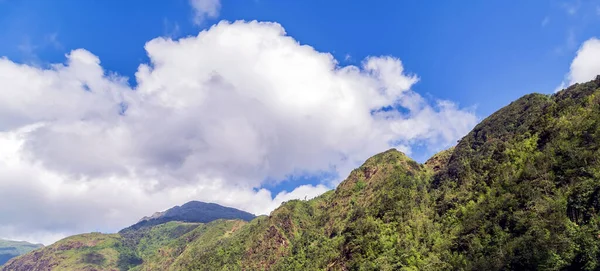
(522, 190)
(519, 192)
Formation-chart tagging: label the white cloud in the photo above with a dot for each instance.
(585, 65)
(204, 9)
(212, 118)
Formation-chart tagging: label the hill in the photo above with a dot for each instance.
(11, 249)
(96, 251)
(194, 212)
(146, 240)
(521, 191)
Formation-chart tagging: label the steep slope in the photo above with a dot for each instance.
(519, 192)
(522, 190)
(381, 210)
(11, 249)
(439, 161)
(195, 212)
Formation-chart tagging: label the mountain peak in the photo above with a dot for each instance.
(521, 191)
(193, 211)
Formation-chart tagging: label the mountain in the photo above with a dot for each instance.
(193, 211)
(134, 245)
(521, 191)
(96, 251)
(11, 249)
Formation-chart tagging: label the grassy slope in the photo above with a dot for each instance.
(80, 252)
(125, 251)
(11, 249)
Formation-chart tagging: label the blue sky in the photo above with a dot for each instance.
(470, 57)
(467, 52)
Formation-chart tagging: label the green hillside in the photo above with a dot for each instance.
(95, 251)
(521, 191)
(11, 249)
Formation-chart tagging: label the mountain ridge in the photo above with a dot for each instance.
(129, 247)
(194, 212)
(521, 191)
(10, 249)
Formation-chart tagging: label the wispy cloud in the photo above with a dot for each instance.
(570, 42)
(52, 40)
(545, 21)
(28, 51)
(571, 39)
(30, 47)
(571, 7)
(204, 9)
(26, 47)
(171, 29)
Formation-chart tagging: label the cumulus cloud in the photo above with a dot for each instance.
(204, 9)
(211, 118)
(585, 65)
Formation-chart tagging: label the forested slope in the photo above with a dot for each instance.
(519, 192)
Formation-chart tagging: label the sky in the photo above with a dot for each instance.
(113, 110)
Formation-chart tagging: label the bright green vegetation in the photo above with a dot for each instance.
(80, 252)
(522, 190)
(155, 247)
(11, 249)
(176, 254)
(519, 192)
(380, 218)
